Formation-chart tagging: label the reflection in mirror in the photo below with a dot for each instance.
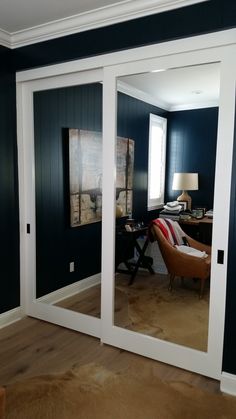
(68, 168)
(160, 289)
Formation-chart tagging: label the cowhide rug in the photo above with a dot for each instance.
(93, 392)
(149, 307)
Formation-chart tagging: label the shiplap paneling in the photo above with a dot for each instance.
(9, 216)
(191, 147)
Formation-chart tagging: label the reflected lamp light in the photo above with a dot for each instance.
(185, 182)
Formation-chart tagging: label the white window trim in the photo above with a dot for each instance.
(156, 203)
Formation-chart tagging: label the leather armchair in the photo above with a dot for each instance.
(181, 264)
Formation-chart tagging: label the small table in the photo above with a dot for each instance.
(126, 242)
(200, 229)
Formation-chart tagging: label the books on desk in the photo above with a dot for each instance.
(164, 214)
(171, 210)
(174, 206)
(209, 214)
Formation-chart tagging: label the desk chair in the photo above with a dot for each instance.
(178, 263)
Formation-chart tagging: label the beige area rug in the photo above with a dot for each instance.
(93, 392)
(148, 307)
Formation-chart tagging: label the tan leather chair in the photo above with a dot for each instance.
(181, 264)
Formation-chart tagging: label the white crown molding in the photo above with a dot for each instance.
(189, 106)
(5, 39)
(140, 95)
(116, 13)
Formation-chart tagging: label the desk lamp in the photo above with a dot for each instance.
(185, 182)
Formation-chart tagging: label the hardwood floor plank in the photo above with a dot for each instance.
(33, 347)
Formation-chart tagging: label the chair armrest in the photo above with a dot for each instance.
(181, 264)
(199, 246)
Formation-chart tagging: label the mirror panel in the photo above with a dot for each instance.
(188, 99)
(68, 167)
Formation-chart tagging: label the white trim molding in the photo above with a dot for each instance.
(129, 90)
(104, 16)
(228, 383)
(70, 290)
(11, 316)
(5, 39)
(132, 91)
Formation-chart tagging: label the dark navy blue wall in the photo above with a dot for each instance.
(191, 147)
(57, 243)
(9, 226)
(81, 107)
(229, 360)
(133, 122)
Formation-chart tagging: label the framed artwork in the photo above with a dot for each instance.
(85, 176)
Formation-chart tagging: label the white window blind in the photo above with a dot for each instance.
(156, 161)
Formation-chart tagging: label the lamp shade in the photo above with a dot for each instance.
(185, 182)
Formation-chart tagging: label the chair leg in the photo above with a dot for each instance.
(182, 281)
(202, 285)
(172, 277)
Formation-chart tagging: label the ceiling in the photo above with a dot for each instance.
(24, 22)
(30, 13)
(176, 89)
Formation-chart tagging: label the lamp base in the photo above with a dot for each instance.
(186, 198)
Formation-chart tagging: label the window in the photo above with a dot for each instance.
(156, 161)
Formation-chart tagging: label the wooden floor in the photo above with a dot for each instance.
(32, 347)
(148, 307)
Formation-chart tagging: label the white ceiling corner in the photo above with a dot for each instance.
(5, 39)
(176, 89)
(90, 16)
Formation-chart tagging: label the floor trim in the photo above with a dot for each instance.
(70, 290)
(11, 316)
(228, 383)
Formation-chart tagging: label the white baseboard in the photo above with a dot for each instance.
(11, 316)
(70, 290)
(228, 383)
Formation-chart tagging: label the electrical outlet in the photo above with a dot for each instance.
(72, 266)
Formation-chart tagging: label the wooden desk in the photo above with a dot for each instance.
(126, 242)
(199, 229)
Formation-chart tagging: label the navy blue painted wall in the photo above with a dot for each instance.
(9, 226)
(191, 147)
(81, 107)
(133, 122)
(57, 243)
(229, 360)
(205, 17)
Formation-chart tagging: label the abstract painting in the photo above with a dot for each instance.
(85, 176)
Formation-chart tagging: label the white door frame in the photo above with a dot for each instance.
(36, 307)
(205, 48)
(208, 363)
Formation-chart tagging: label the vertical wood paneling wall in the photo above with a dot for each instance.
(9, 223)
(81, 107)
(191, 147)
(57, 243)
(133, 122)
